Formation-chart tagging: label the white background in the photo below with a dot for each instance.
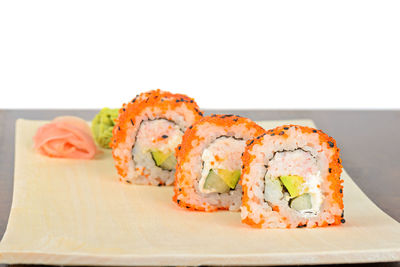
(225, 54)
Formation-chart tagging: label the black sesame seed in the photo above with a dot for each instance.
(282, 133)
(187, 207)
(266, 166)
(177, 100)
(272, 134)
(119, 129)
(180, 189)
(342, 214)
(123, 109)
(341, 190)
(286, 128)
(164, 136)
(251, 142)
(213, 115)
(330, 143)
(338, 161)
(191, 101)
(132, 122)
(236, 119)
(128, 181)
(133, 101)
(330, 170)
(182, 99)
(342, 220)
(177, 201)
(314, 131)
(159, 185)
(191, 126)
(179, 147)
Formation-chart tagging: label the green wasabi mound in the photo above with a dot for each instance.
(102, 126)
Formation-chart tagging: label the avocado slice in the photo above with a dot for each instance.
(231, 178)
(215, 183)
(302, 202)
(165, 161)
(169, 163)
(293, 184)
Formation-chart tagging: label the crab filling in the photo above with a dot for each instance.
(155, 144)
(221, 165)
(293, 179)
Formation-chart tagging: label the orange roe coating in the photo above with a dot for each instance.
(162, 100)
(189, 140)
(334, 171)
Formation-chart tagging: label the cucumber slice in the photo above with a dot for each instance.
(215, 183)
(231, 178)
(293, 184)
(165, 161)
(302, 202)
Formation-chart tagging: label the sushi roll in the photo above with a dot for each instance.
(291, 178)
(146, 133)
(209, 163)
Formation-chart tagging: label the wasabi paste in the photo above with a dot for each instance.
(102, 126)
